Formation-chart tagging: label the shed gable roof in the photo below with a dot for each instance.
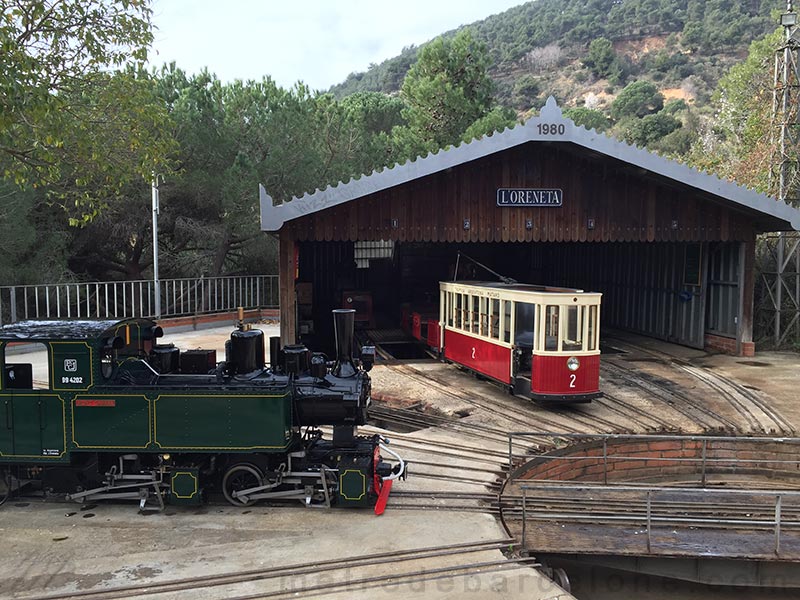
(549, 126)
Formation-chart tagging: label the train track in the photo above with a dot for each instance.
(658, 391)
(339, 575)
(510, 410)
(753, 413)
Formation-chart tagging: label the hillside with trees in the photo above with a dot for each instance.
(669, 41)
(76, 186)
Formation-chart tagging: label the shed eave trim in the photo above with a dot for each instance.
(541, 129)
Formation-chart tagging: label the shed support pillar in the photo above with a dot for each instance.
(747, 260)
(286, 288)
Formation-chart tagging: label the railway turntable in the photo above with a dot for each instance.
(728, 508)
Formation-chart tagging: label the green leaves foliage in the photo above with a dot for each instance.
(446, 91)
(73, 116)
(638, 99)
(587, 117)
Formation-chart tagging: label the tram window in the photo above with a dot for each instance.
(448, 310)
(592, 332)
(475, 320)
(484, 317)
(523, 324)
(457, 311)
(573, 329)
(551, 328)
(495, 323)
(506, 321)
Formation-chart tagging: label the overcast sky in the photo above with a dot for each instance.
(317, 41)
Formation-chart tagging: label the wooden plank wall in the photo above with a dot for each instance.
(625, 206)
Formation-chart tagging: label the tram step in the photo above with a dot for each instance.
(522, 387)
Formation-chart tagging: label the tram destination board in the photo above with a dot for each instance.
(529, 197)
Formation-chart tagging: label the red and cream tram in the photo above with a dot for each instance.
(543, 342)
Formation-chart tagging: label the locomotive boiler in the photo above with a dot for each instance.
(124, 417)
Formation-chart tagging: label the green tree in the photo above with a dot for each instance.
(588, 117)
(58, 99)
(526, 89)
(651, 128)
(737, 143)
(600, 57)
(637, 99)
(498, 119)
(445, 91)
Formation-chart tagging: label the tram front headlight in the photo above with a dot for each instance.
(573, 363)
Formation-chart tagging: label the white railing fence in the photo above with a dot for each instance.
(122, 299)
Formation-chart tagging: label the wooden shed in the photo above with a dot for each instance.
(671, 248)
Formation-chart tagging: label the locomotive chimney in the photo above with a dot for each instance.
(343, 325)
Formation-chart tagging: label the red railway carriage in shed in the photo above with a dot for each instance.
(543, 342)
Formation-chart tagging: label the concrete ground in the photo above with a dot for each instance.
(54, 549)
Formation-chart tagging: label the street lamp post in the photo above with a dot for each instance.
(156, 282)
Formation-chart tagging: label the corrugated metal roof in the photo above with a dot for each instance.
(273, 216)
(63, 329)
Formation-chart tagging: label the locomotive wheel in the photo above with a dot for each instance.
(240, 477)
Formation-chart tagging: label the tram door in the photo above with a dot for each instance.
(524, 319)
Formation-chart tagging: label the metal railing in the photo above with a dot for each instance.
(642, 507)
(598, 456)
(705, 461)
(124, 299)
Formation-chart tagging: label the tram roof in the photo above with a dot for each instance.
(517, 287)
(773, 215)
(63, 329)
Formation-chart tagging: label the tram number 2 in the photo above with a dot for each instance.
(572, 381)
(473, 352)
(551, 128)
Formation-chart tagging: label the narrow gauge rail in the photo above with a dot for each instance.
(690, 408)
(739, 397)
(561, 420)
(207, 582)
(542, 342)
(645, 420)
(758, 415)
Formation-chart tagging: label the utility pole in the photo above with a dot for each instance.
(156, 282)
(783, 177)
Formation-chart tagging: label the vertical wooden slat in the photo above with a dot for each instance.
(286, 288)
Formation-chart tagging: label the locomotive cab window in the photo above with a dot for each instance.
(27, 370)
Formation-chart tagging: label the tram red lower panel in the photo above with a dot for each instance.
(550, 375)
(479, 355)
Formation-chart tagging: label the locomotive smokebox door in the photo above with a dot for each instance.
(355, 481)
(185, 487)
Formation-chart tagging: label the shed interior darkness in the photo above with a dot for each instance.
(676, 291)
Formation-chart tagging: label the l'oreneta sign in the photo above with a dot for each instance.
(529, 197)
